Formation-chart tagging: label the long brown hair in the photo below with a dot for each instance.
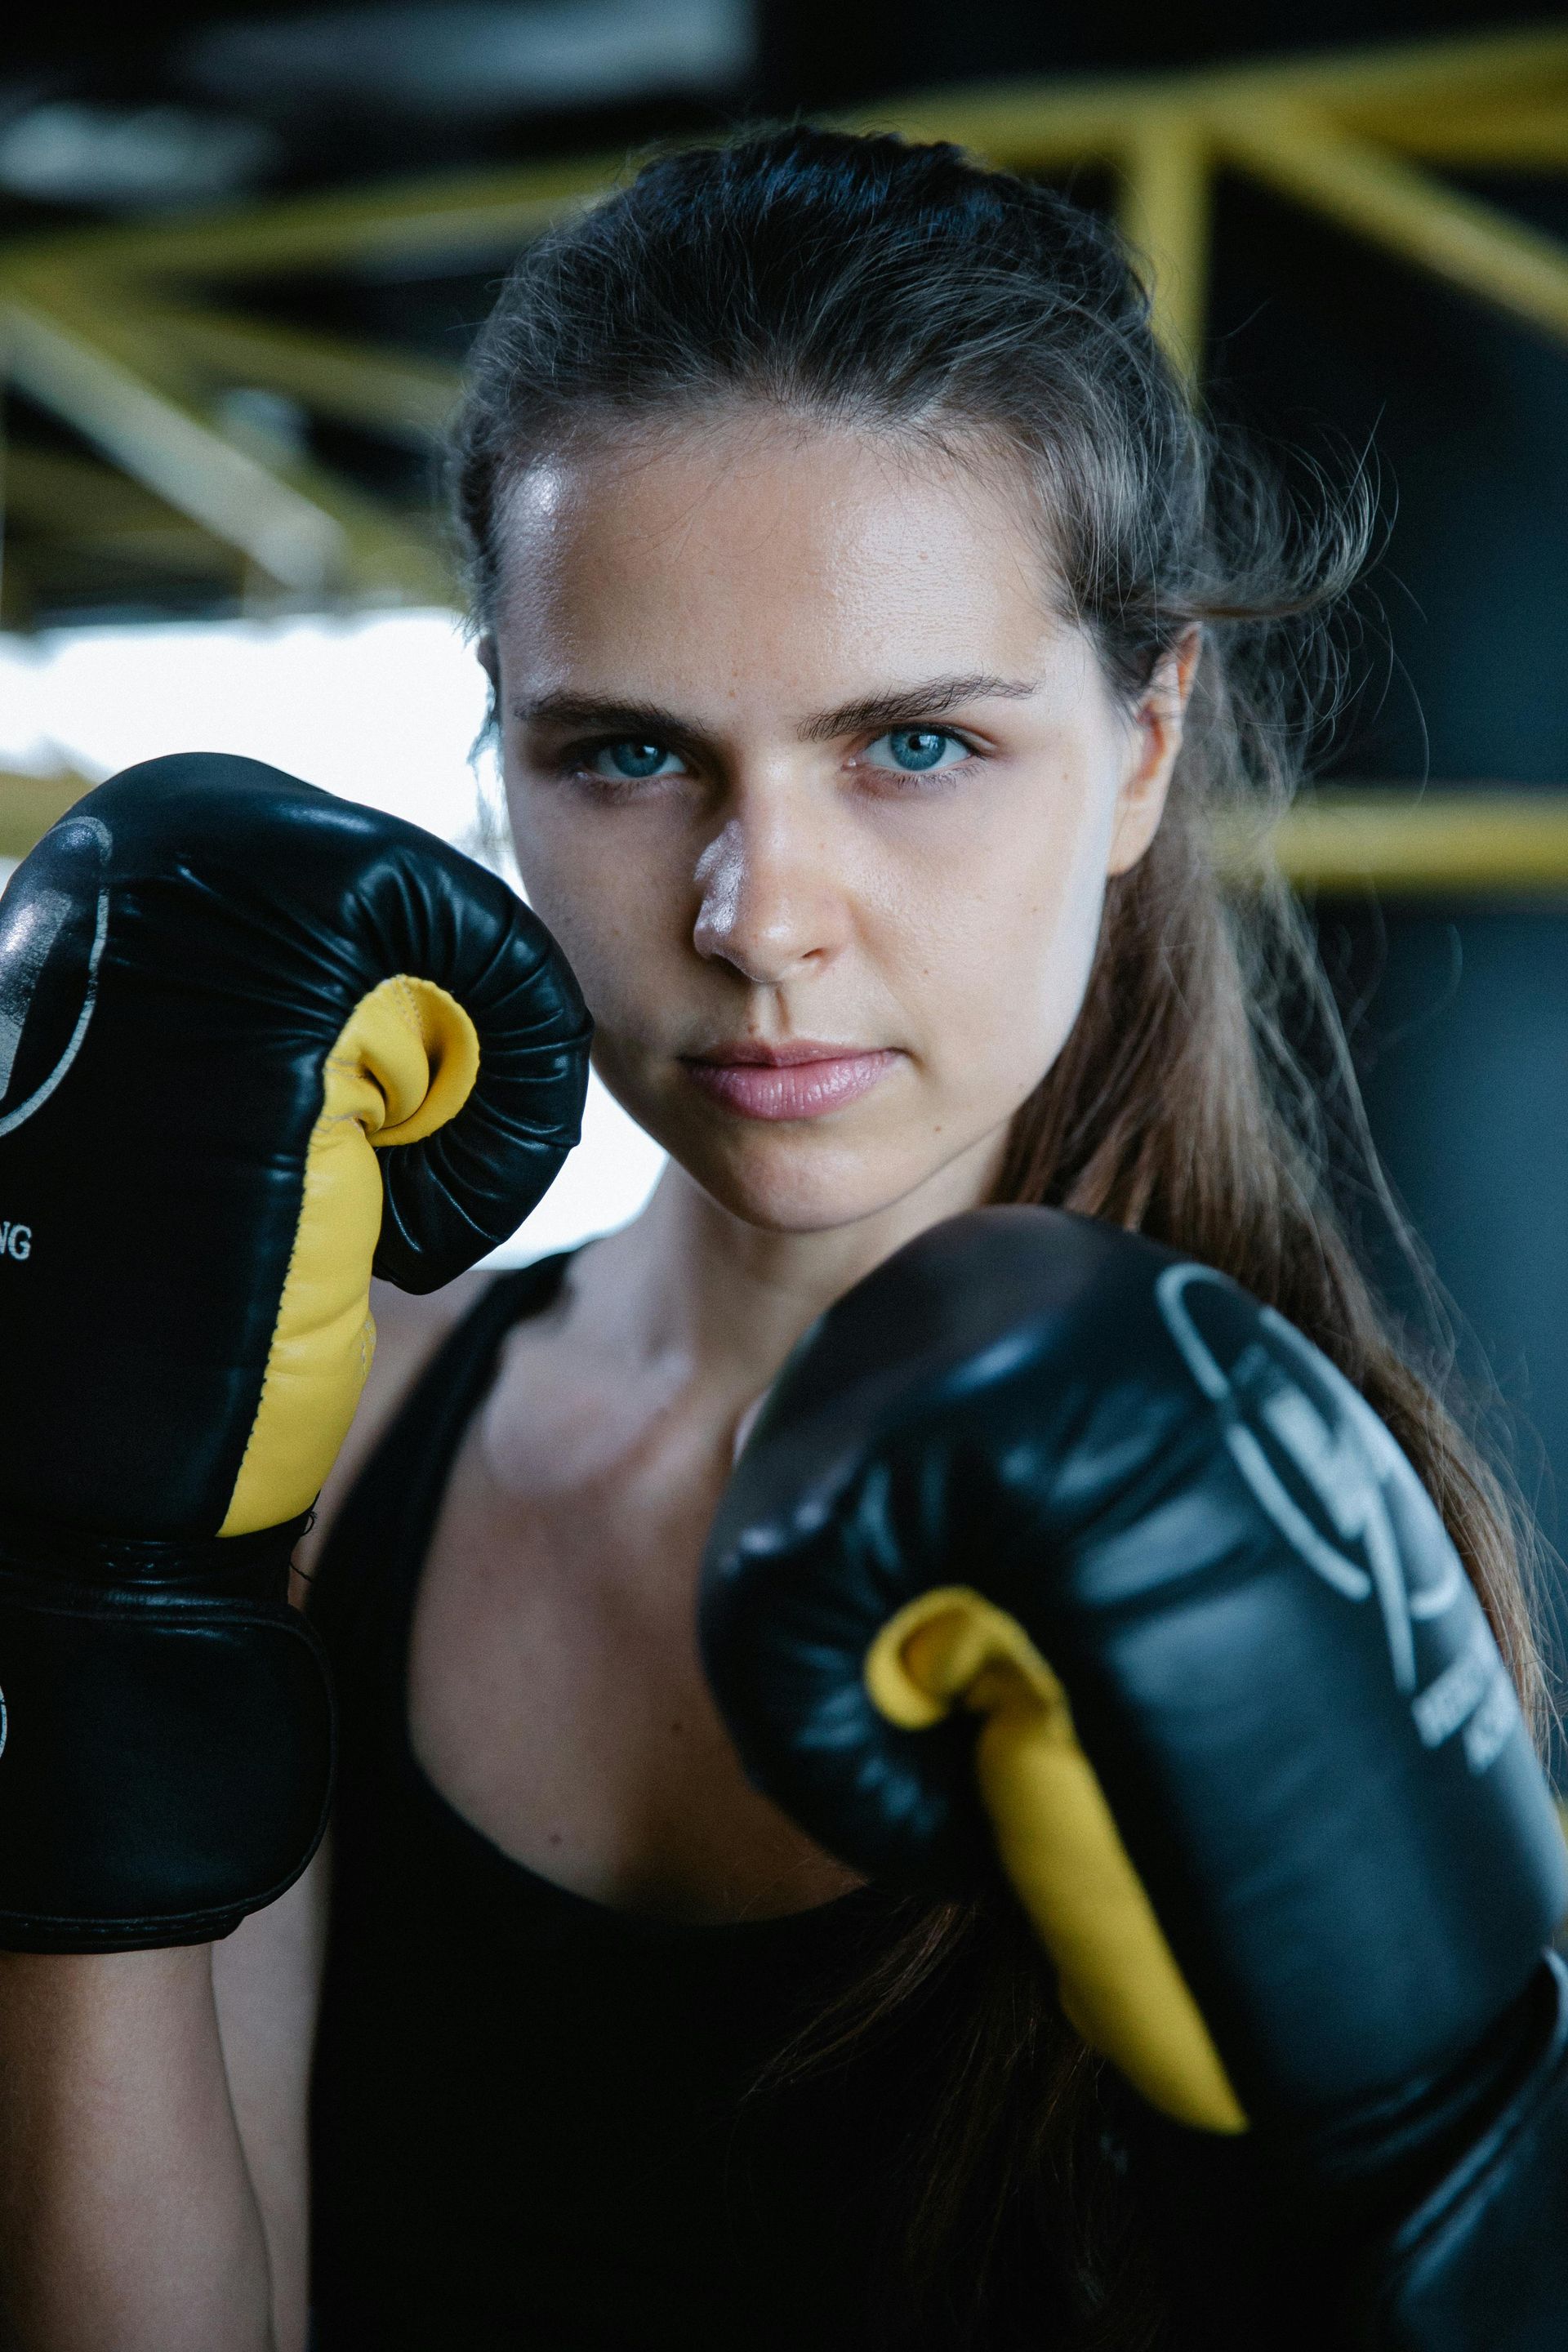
(1206, 1093)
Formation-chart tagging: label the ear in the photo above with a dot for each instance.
(1156, 738)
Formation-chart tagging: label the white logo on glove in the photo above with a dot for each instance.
(30, 923)
(1281, 1394)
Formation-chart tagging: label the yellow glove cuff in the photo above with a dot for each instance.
(1119, 1982)
(402, 1065)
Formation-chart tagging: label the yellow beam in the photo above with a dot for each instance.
(131, 368)
(71, 507)
(1459, 71)
(1044, 125)
(1519, 137)
(433, 220)
(1471, 245)
(19, 602)
(116, 561)
(113, 372)
(46, 488)
(1029, 126)
(1165, 195)
(163, 445)
(1448, 843)
(29, 805)
(390, 391)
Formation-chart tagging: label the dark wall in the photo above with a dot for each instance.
(1462, 416)
(1459, 1016)
(817, 54)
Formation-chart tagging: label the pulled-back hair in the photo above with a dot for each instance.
(1204, 1096)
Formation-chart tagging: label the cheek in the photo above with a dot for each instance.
(1007, 949)
(602, 888)
(573, 892)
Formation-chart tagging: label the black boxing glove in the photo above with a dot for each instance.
(1052, 1548)
(254, 1041)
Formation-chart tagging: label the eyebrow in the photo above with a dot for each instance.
(930, 697)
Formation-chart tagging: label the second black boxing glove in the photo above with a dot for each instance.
(1055, 1550)
(254, 1040)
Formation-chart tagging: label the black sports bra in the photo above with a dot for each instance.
(538, 2122)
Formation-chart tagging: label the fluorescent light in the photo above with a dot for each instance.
(477, 59)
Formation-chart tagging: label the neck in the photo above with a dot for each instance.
(722, 1302)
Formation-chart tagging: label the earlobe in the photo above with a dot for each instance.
(1145, 791)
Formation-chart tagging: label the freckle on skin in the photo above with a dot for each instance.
(555, 1837)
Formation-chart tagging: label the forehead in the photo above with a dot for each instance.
(755, 547)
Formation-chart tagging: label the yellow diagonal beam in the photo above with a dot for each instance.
(1520, 137)
(391, 391)
(72, 507)
(1395, 204)
(74, 494)
(361, 547)
(160, 442)
(1042, 126)
(1462, 70)
(433, 220)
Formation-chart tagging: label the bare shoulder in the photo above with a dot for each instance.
(408, 1330)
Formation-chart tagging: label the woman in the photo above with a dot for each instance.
(874, 635)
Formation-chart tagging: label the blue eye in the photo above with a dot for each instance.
(917, 751)
(633, 762)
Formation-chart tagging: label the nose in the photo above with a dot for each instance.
(773, 906)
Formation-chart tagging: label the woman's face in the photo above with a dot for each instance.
(820, 798)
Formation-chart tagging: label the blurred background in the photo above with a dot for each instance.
(243, 250)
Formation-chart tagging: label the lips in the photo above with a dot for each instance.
(803, 1079)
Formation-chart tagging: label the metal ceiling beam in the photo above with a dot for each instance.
(1473, 246)
(1041, 126)
(161, 443)
(1030, 125)
(106, 329)
(1446, 843)
(1517, 137)
(435, 221)
(110, 368)
(71, 494)
(1165, 197)
(388, 391)
(76, 509)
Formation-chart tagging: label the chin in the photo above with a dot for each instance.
(786, 1186)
